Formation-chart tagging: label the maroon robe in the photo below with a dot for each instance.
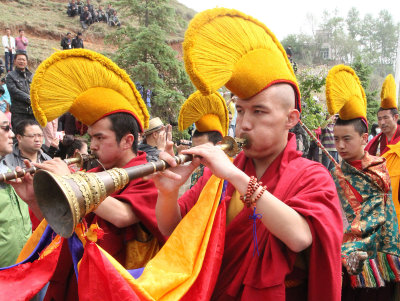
(382, 141)
(307, 187)
(142, 195)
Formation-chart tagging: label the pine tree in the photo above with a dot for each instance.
(145, 54)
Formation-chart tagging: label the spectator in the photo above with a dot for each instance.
(101, 15)
(29, 136)
(18, 84)
(114, 21)
(14, 214)
(86, 18)
(50, 132)
(154, 139)
(375, 130)
(77, 42)
(328, 141)
(4, 97)
(90, 7)
(21, 42)
(66, 41)
(1, 67)
(9, 49)
(109, 13)
(72, 9)
(79, 5)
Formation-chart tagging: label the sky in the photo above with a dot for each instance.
(284, 17)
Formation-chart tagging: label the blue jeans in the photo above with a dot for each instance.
(8, 56)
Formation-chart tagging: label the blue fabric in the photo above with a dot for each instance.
(136, 273)
(76, 249)
(45, 240)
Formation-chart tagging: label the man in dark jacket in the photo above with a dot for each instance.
(18, 84)
(66, 41)
(77, 42)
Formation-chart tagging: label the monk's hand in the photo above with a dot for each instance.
(355, 262)
(56, 166)
(169, 180)
(215, 159)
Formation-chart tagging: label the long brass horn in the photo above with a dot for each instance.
(79, 159)
(65, 200)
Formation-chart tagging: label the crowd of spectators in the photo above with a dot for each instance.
(89, 15)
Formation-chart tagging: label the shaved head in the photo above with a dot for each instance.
(284, 94)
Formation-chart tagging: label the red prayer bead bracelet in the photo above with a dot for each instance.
(252, 187)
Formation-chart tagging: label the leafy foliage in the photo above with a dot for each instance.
(146, 55)
(311, 83)
(363, 72)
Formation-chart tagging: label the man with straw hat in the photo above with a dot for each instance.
(363, 184)
(101, 95)
(154, 139)
(210, 115)
(295, 208)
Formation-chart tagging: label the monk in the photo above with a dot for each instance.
(299, 229)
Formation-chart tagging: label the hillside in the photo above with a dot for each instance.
(45, 22)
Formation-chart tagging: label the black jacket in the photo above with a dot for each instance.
(18, 85)
(64, 43)
(77, 43)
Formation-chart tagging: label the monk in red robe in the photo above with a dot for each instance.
(294, 254)
(127, 215)
(390, 135)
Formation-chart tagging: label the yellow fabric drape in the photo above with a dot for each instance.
(171, 273)
(393, 165)
(32, 242)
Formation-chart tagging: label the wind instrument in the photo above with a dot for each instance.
(65, 200)
(78, 159)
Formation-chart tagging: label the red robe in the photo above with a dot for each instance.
(307, 187)
(142, 195)
(382, 141)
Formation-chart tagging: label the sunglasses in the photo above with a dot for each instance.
(6, 128)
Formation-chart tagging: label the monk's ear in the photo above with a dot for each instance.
(364, 138)
(293, 118)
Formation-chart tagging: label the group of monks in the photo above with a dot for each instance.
(266, 225)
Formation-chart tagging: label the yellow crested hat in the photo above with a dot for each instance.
(345, 94)
(209, 113)
(88, 85)
(388, 93)
(226, 47)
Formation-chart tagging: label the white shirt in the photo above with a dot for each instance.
(4, 41)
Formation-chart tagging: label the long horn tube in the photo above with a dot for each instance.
(318, 143)
(79, 159)
(65, 200)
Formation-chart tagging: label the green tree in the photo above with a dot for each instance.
(311, 83)
(143, 51)
(364, 72)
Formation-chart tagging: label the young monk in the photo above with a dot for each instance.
(371, 241)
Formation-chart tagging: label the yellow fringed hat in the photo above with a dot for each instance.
(209, 113)
(345, 94)
(88, 85)
(388, 93)
(226, 47)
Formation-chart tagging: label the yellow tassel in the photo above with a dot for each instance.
(388, 93)
(200, 109)
(226, 47)
(61, 79)
(344, 93)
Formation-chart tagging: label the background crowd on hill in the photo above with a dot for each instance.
(88, 14)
